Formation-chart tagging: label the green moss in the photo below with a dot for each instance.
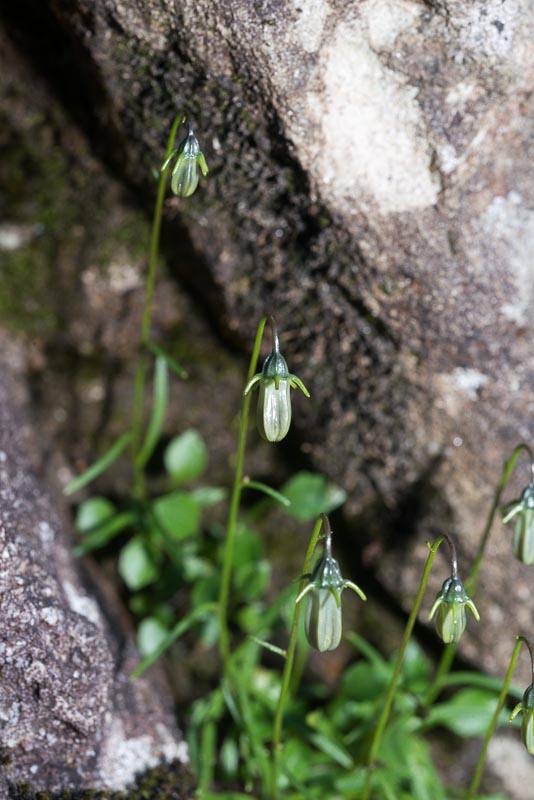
(166, 782)
(63, 211)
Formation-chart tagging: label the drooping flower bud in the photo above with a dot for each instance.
(273, 414)
(523, 510)
(323, 622)
(450, 604)
(189, 157)
(526, 706)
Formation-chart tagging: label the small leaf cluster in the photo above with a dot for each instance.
(156, 539)
(327, 735)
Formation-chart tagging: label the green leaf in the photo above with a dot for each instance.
(229, 757)
(179, 629)
(186, 456)
(150, 635)
(92, 513)
(268, 490)
(252, 726)
(100, 535)
(99, 466)
(208, 749)
(480, 680)
(363, 681)
(225, 796)
(251, 580)
(494, 797)
(171, 363)
(135, 565)
(159, 408)
(468, 713)
(332, 749)
(366, 649)
(249, 548)
(310, 495)
(178, 514)
(208, 495)
(416, 668)
(196, 567)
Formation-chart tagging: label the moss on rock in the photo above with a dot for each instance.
(165, 782)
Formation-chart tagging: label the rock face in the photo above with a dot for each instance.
(372, 185)
(69, 715)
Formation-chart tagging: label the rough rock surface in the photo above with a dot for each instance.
(372, 184)
(70, 717)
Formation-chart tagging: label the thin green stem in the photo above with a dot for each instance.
(288, 667)
(141, 369)
(449, 652)
(228, 557)
(477, 776)
(383, 720)
(445, 663)
(507, 471)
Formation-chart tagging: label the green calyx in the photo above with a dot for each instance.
(523, 511)
(526, 707)
(275, 370)
(450, 604)
(189, 157)
(273, 414)
(323, 613)
(525, 503)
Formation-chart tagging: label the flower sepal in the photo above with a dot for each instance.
(323, 622)
(189, 157)
(523, 511)
(273, 413)
(450, 604)
(526, 707)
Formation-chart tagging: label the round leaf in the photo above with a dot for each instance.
(178, 514)
(310, 495)
(186, 456)
(93, 512)
(468, 713)
(135, 565)
(150, 635)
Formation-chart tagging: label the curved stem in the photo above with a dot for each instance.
(228, 557)
(328, 536)
(454, 557)
(384, 716)
(449, 651)
(288, 667)
(527, 642)
(274, 329)
(444, 666)
(140, 373)
(477, 776)
(506, 474)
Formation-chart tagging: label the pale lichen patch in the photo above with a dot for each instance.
(509, 224)
(82, 604)
(370, 148)
(125, 757)
(387, 19)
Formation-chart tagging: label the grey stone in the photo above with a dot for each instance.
(70, 717)
(371, 184)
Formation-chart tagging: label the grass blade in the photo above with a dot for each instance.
(99, 466)
(268, 490)
(171, 363)
(101, 534)
(159, 408)
(179, 629)
(268, 646)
